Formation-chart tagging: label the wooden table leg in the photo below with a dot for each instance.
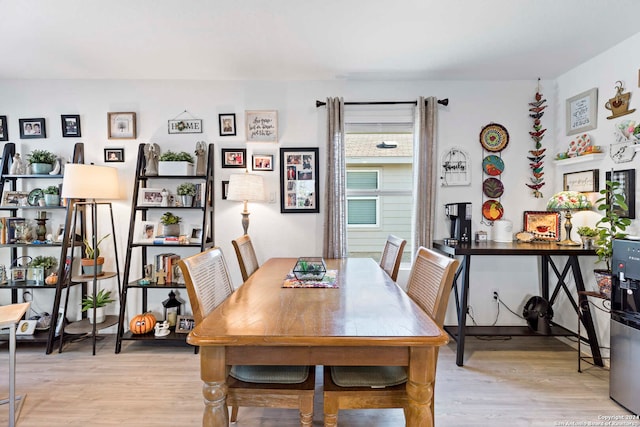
(213, 372)
(422, 373)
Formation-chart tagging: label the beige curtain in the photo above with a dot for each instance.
(335, 228)
(424, 172)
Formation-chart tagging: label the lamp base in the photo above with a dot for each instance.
(568, 242)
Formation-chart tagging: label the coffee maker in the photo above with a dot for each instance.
(460, 216)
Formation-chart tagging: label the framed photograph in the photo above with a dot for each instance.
(121, 125)
(544, 225)
(299, 180)
(150, 197)
(15, 198)
(227, 124)
(225, 189)
(114, 155)
(145, 231)
(261, 126)
(4, 131)
(70, 126)
(32, 128)
(234, 158)
(262, 162)
(627, 180)
(583, 181)
(195, 233)
(184, 324)
(581, 112)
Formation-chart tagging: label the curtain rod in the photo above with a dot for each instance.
(444, 102)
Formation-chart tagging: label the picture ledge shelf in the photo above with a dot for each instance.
(580, 159)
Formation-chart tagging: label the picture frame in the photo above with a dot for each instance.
(114, 155)
(195, 233)
(227, 123)
(234, 158)
(225, 189)
(70, 126)
(262, 162)
(261, 125)
(4, 129)
(32, 128)
(627, 180)
(544, 225)
(184, 324)
(583, 182)
(150, 197)
(15, 198)
(145, 231)
(581, 112)
(121, 125)
(299, 180)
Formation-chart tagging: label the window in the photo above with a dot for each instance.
(362, 198)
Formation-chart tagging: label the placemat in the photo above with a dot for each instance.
(328, 281)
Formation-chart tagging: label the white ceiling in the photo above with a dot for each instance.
(307, 40)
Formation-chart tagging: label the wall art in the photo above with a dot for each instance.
(121, 125)
(581, 111)
(299, 180)
(71, 126)
(261, 126)
(32, 128)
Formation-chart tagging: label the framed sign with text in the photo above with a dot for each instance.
(583, 182)
(581, 112)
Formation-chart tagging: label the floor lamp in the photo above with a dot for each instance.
(89, 186)
(245, 188)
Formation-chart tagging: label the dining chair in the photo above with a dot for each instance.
(246, 256)
(208, 285)
(392, 255)
(383, 387)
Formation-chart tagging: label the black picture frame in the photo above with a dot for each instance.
(299, 180)
(225, 189)
(234, 158)
(227, 123)
(32, 128)
(70, 126)
(586, 181)
(627, 180)
(114, 155)
(4, 130)
(262, 162)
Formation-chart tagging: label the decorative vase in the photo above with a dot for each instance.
(603, 280)
(171, 230)
(51, 199)
(187, 201)
(88, 266)
(41, 168)
(100, 316)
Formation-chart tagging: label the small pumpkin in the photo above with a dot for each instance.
(142, 323)
(51, 279)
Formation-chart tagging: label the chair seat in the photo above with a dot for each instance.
(368, 376)
(270, 374)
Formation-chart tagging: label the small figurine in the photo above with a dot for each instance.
(57, 168)
(151, 155)
(17, 167)
(201, 151)
(165, 198)
(160, 275)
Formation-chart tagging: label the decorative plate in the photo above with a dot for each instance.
(492, 165)
(493, 187)
(492, 210)
(525, 237)
(34, 196)
(494, 137)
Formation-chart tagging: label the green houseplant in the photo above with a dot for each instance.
(171, 156)
(170, 224)
(92, 256)
(41, 161)
(187, 190)
(587, 234)
(52, 195)
(175, 163)
(48, 263)
(610, 226)
(97, 303)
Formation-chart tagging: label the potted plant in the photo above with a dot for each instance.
(170, 224)
(41, 161)
(52, 196)
(92, 257)
(175, 163)
(47, 263)
(587, 234)
(97, 303)
(610, 226)
(187, 190)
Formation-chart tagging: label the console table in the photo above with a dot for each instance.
(544, 250)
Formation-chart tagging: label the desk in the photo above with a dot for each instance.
(368, 321)
(10, 315)
(545, 251)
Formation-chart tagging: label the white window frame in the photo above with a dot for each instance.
(377, 200)
(360, 194)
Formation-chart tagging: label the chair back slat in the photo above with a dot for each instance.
(392, 256)
(207, 280)
(246, 256)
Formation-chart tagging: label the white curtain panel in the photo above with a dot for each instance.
(335, 230)
(424, 172)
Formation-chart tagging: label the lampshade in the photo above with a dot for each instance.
(90, 182)
(568, 201)
(246, 187)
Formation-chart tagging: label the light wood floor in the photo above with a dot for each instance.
(521, 382)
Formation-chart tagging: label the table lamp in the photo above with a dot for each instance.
(568, 201)
(245, 188)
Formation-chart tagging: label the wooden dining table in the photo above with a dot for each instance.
(368, 320)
